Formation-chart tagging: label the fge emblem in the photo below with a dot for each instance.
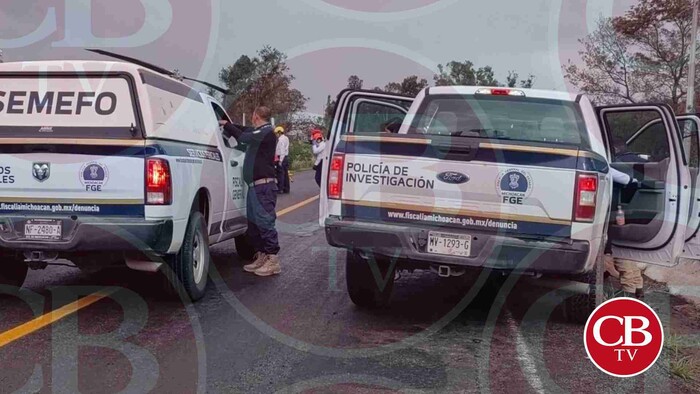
(623, 337)
(514, 186)
(93, 176)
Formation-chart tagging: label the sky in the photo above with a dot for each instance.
(326, 40)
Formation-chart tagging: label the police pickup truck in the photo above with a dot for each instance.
(504, 179)
(104, 162)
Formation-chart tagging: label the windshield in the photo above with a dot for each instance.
(506, 118)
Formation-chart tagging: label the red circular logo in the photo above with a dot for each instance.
(623, 337)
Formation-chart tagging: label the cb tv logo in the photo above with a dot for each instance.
(623, 337)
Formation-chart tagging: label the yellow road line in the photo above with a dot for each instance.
(297, 206)
(42, 321)
(47, 319)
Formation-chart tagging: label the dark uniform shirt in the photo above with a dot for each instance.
(261, 144)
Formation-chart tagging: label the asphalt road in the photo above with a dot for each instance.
(299, 332)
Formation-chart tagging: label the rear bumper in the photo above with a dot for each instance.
(489, 250)
(92, 235)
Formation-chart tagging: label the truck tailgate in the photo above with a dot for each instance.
(492, 187)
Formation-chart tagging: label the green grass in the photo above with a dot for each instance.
(684, 367)
(300, 155)
(680, 365)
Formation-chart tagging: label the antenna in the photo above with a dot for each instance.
(172, 74)
(207, 84)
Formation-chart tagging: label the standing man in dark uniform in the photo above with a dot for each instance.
(259, 174)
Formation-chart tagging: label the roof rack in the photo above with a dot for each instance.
(172, 74)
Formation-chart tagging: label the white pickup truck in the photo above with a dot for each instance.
(504, 179)
(104, 162)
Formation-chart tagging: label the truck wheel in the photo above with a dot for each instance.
(189, 268)
(13, 269)
(244, 248)
(578, 307)
(364, 289)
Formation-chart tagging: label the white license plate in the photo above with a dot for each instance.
(42, 229)
(449, 244)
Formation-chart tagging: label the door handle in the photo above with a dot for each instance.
(234, 163)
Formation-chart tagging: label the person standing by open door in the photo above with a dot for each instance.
(260, 175)
(628, 272)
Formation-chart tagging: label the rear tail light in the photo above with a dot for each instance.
(159, 186)
(585, 197)
(335, 177)
(501, 92)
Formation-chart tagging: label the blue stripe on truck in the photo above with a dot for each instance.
(398, 215)
(70, 209)
(151, 148)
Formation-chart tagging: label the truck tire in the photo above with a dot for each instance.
(363, 288)
(244, 248)
(578, 307)
(188, 270)
(13, 269)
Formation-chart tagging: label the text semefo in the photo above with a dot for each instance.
(58, 103)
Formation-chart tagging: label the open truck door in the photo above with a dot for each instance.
(361, 114)
(690, 128)
(644, 141)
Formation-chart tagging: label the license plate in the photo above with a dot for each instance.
(449, 244)
(42, 229)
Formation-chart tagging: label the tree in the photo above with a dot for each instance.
(410, 86)
(355, 83)
(262, 80)
(214, 93)
(328, 112)
(512, 80)
(299, 126)
(661, 32)
(464, 73)
(640, 56)
(609, 73)
(528, 83)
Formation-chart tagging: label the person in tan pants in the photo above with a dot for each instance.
(629, 272)
(630, 275)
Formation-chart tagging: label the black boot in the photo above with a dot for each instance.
(639, 294)
(622, 293)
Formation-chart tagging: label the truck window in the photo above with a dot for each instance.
(502, 118)
(638, 136)
(376, 118)
(219, 112)
(690, 144)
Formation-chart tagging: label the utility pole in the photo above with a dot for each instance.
(690, 100)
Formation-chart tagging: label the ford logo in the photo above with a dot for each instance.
(455, 178)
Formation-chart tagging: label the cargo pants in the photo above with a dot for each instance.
(629, 273)
(261, 204)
